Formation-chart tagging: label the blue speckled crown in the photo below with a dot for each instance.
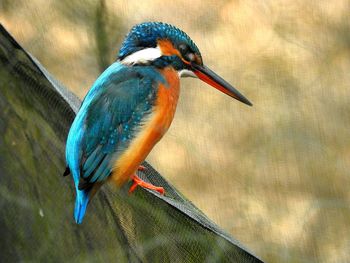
(146, 35)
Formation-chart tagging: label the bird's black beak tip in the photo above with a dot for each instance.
(248, 103)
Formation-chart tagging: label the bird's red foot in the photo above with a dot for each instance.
(142, 168)
(138, 182)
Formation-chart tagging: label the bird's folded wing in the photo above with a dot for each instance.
(113, 117)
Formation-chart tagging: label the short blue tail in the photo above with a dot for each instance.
(81, 203)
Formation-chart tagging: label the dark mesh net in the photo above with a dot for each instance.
(36, 222)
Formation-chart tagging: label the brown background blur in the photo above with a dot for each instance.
(275, 176)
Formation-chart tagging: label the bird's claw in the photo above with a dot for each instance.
(138, 182)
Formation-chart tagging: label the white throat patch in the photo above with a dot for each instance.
(143, 56)
(186, 73)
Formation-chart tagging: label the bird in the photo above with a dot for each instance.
(130, 107)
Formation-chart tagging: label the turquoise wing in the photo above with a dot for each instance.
(113, 112)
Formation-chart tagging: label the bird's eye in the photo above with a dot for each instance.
(186, 52)
(183, 48)
(190, 56)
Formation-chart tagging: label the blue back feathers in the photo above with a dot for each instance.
(109, 118)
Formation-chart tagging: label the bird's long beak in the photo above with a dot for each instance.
(210, 77)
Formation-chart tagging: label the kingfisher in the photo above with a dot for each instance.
(130, 107)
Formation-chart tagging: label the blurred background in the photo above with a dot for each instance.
(276, 175)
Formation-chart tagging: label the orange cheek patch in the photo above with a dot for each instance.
(167, 48)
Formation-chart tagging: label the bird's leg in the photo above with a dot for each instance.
(138, 182)
(142, 168)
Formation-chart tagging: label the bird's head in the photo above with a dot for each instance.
(163, 45)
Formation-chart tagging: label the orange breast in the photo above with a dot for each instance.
(152, 131)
